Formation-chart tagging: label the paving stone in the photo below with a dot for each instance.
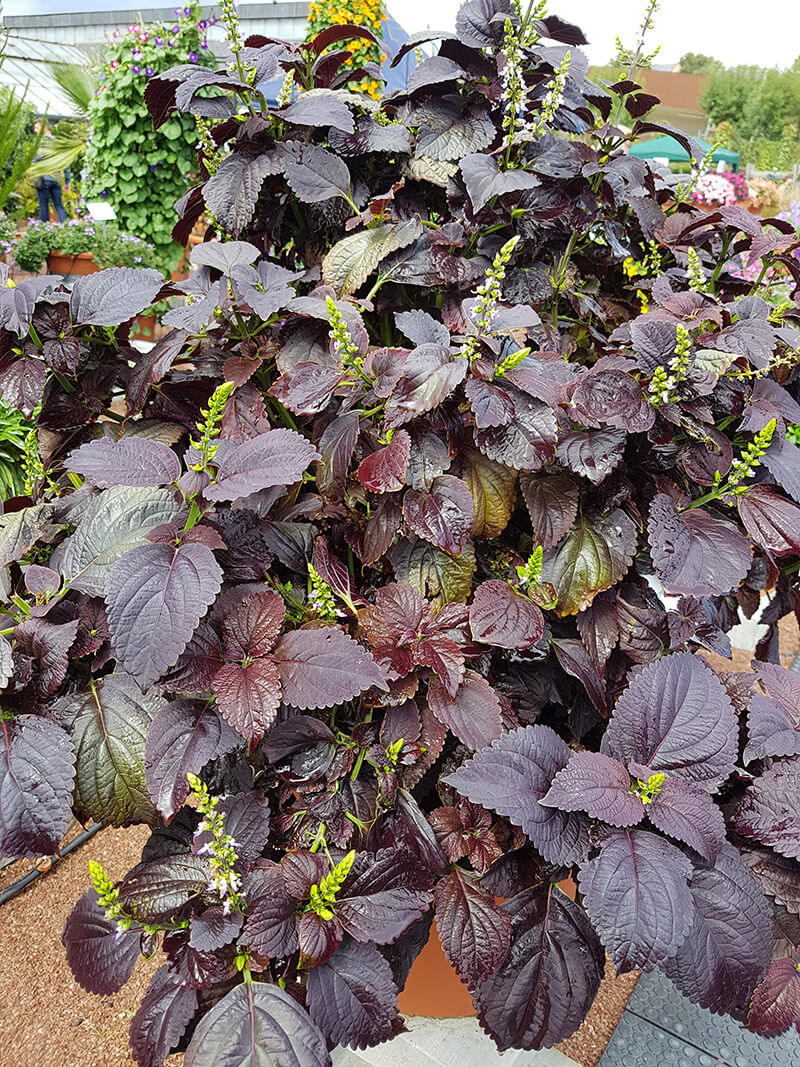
(660, 1028)
(445, 1043)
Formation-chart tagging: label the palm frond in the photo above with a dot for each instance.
(77, 83)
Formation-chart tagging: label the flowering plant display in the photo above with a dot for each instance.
(8, 234)
(110, 247)
(714, 189)
(363, 65)
(142, 171)
(739, 183)
(381, 589)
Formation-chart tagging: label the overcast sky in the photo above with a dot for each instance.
(735, 31)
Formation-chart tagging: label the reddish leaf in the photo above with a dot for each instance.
(321, 668)
(775, 1006)
(475, 932)
(249, 696)
(596, 784)
(771, 520)
(254, 626)
(499, 616)
(473, 713)
(443, 516)
(385, 470)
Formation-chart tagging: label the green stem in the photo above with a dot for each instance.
(362, 753)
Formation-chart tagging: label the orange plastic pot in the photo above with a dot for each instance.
(434, 989)
(144, 328)
(81, 263)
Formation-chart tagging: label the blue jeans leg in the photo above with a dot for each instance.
(43, 196)
(58, 204)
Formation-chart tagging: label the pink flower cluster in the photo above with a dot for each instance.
(714, 189)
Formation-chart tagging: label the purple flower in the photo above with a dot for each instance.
(153, 167)
(178, 11)
(148, 72)
(158, 42)
(136, 69)
(176, 29)
(105, 192)
(204, 44)
(193, 57)
(171, 43)
(187, 11)
(136, 55)
(201, 25)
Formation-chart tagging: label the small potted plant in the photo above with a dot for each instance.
(8, 235)
(712, 191)
(79, 247)
(377, 590)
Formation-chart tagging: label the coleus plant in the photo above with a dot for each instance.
(379, 587)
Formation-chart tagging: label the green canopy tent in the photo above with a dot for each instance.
(668, 148)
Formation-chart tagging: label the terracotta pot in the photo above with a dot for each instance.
(82, 263)
(434, 989)
(144, 328)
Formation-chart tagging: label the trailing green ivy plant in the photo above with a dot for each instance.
(141, 171)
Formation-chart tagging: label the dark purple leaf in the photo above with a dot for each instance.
(676, 717)
(595, 553)
(527, 442)
(113, 296)
(473, 713)
(552, 501)
(232, 192)
(637, 897)
(129, 461)
(607, 395)
(445, 132)
(166, 1010)
(37, 768)
(314, 174)
(17, 302)
(371, 136)
(775, 1006)
(212, 928)
(259, 1024)
(114, 522)
(271, 927)
(223, 255)
(599, 629)
(574, 658)
(784, 465)
(100, 957)
(728, 944)
(49, 643)
(183, 737)
(41, 581)
(200, 661)
(325, 667)
(773, 721)
(593, 455)
(443, 516)
(686, 812)
(384, 471)
(770, 810)
(544, 987)
(694, 552)
(779, 877)
(247, 821)
(352, 998)
(156, 596)
(485, 180)
(382, 896)
(771, 520)
(22, 383)
(277, 457)
(596, 784)
(336, 447)
(499, 616)
(475, 932)
(511, 777)
(158, 889)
